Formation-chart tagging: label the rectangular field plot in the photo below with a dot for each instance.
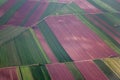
(99, 27)
(59, 72)
(77, 39)
(20, 47)
(9, 74)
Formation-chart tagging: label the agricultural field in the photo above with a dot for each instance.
(105, 69)
(20, 47)
(108, 22)
(27, 13)
(95, 6)
(71, 8)
(80, 41)
(59, 40)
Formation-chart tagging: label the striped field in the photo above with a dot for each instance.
(59, 39)
(105, 69)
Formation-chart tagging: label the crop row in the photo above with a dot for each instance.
(105, 69)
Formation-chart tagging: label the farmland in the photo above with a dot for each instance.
(59, 40)
(22, 46)
(26, 13)
(101, 68)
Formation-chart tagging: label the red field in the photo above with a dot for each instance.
(77, 39)
(90, 71)
(8, 74)
(59, 72)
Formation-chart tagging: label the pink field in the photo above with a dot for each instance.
(36, 15)
(45, 46)
(21, 14)
(65, 1)
(118, 0)
(77, 39)
(90, 71)
(59, 72)
(86, 6)
(8, 74)
(7, 6)
(101, 24)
